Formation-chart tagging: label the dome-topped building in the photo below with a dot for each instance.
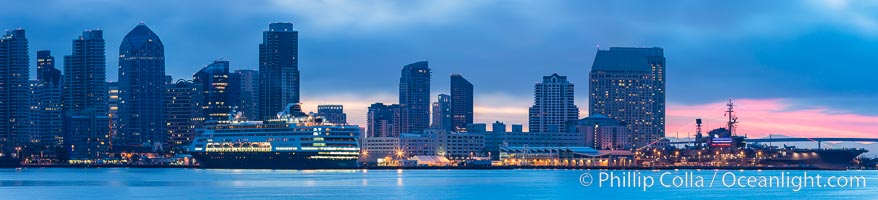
(141, 90)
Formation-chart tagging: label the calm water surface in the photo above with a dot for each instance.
(122, 183)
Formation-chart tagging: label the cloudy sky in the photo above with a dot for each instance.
(799, 68)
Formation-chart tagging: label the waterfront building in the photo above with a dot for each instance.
(628, 84)
(181, 114)
(494, 141)
(278, 69)
(141, 90)
(383, 120)
(333, 113)
(249, 93)
(431, 142)
(412, 144)
(458, 146)
(564, 157)
(14, 89)
(86, 128)
(461, 102)
(48, 118)
(414, 97)
(218, 91)
(442, 113)
(379, 149)
(602, 132)
(553, 105)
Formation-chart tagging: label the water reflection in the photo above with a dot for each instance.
(76, 183)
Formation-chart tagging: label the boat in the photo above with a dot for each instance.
(725, 141)
(292, 141)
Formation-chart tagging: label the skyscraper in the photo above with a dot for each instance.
(461, 102)
(49, 117)
(218, 91)
(86, 128)
(249, 93)
(14, 89)
(279, 69)
(442, 112)
(333, 113)
(628, 84)
(46, 71)
(553, 105)
(383, 120)
(85, 86)
(180, 114)
(414, 97)
(141, 88)
(32, 136)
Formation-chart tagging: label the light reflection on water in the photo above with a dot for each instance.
(116, 183)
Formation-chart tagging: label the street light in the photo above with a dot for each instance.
(18, 152)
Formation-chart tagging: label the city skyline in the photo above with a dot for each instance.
(776, 107)
(438, 99)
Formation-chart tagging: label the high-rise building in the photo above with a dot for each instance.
(86, 128)
(442, 113)
(461, 102)
(553, 105)
(628, 84)
(383, 120)
(32, 138)
(249, 93)
(218, 91)
(141, 88)
(181, 112)
(414, 97)
(48, 116)
(14, 89)
(279, 69)
(85, 86)
(333, 113)
(46, 71)
(118, 143)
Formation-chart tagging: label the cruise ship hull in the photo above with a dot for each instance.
(269, 160)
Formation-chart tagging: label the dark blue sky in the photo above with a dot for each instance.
(808, 53)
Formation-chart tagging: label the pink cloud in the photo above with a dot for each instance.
(760, 117)
(757, 117)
